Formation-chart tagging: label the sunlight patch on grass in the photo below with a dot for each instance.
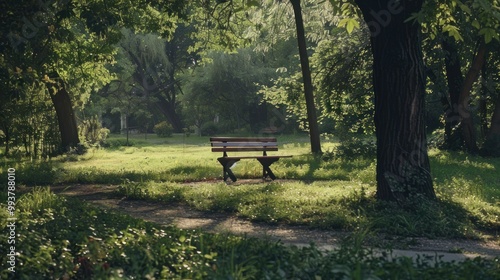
(320, 204)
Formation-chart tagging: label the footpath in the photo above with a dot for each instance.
(186, 218)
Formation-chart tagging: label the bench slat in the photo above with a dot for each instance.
(252, 157)
(243, 139)
(244, 144)
(244, 149)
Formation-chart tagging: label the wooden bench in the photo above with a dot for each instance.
(246, 144)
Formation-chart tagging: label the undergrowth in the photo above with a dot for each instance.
(60, 238)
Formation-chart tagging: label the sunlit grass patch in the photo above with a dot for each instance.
(319, 204)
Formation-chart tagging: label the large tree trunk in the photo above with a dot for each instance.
(455, 80)
(306, 75)
(65, 117)
(403, 170)
(468, 129)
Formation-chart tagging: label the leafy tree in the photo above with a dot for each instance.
(60, 38)
(223, 19)
(474, 24)
(342, 65)
(157, 61)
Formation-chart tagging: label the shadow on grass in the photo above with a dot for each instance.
(466, 176)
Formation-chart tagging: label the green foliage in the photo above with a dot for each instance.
(209, 129)
(230, 82)
(27, 122)
(117, 143)
(92, 133)
(163, 129)
(65, 238)
(353, 147)
(36, 173)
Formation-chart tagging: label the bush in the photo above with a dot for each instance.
(163, 129)
(355, 147)
(92, 133)
(117, 143)
(209, 129)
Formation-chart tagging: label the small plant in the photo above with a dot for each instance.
(187, 131)
(163, 129)
(354, 147)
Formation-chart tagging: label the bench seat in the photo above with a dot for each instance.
(246, 144)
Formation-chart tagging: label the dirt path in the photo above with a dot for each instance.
(186, 218)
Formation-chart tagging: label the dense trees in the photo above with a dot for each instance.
(67, 46)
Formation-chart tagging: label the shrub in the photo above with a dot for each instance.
(209, 129)
(163, 129)
(116, 143)
(354, 147)
(91, 132)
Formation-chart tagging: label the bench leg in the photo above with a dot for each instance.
(267, 172)
(226, 168)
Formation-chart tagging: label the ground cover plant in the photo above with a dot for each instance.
(60, 239)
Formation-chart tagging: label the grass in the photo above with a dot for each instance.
(61, 238)
(333, 194)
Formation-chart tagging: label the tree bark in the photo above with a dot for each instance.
(468, 129)
(453, 137)
(403, 170)
(306, 75)
(65, 117)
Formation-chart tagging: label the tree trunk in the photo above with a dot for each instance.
(306, 75)
(65, 117)
(455, 80)
(468, 129)
(403, 170)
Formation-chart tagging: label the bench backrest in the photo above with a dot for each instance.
(243, 144)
